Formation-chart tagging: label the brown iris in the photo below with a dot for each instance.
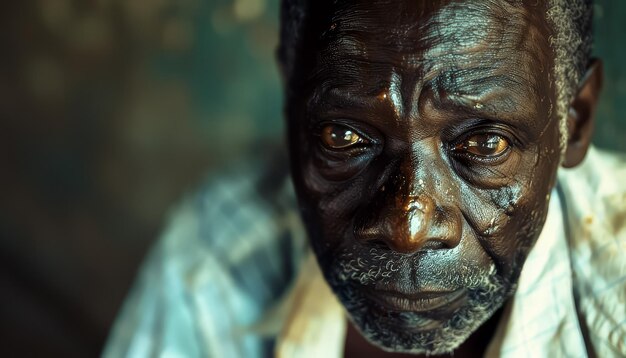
(336, 136)
(484, 145)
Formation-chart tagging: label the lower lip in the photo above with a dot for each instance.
(424, 302)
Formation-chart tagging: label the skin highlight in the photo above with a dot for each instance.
(425, 144)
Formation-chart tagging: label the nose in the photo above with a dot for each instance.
(409, 223)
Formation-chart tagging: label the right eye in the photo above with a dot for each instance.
(484, 145)
(336, 136)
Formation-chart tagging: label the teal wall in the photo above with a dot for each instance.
(610, 37)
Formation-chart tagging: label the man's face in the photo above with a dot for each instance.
(424, 148)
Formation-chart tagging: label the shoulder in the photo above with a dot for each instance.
(594, 196)
(230, 250)
(239, 209)
(600, 173)
(245, 219)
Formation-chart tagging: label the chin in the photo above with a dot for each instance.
(412, 327)
(438, 331)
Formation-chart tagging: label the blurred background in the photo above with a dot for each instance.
(110, 110)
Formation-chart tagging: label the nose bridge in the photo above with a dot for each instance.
(419, 183)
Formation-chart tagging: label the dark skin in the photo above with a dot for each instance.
(425, 145)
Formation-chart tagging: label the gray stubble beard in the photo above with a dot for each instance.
(487, 292)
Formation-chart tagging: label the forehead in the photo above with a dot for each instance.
(422, 30)
(428, 37)
(465, 46)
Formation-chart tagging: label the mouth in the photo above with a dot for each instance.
(420, 302)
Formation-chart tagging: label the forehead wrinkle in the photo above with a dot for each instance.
(367, 14)
(453, 28)
(351, 76)
(453, 67)
(500, 92)
(456, 29)
(465, 29)
(362, 19)
(460, 29)
(348, 44)
(330, 98)
(360, 47)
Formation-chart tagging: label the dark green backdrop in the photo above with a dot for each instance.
(610, 31)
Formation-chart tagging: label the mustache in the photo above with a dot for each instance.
(387, 270)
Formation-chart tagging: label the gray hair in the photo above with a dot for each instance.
(571, 43)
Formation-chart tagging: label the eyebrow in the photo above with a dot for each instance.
(339, 97)
(471, 91)
(482, 95)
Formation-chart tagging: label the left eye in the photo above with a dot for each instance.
(483, 145)
(335, 136)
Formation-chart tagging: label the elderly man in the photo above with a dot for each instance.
(424, 138)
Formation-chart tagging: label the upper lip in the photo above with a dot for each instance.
(416, 301)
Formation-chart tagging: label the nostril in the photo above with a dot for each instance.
(434, 244)
(409, 246)
(399, 241)
(400, 245)
(371, 236)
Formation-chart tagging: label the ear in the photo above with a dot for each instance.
(582, 114)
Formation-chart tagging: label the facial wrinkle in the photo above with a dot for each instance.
(466, 45)
(457, 30)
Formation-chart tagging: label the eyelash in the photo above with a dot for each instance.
(486, 160)
(481, 159)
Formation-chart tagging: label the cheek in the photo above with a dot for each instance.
(508, 220)
(533, 206)
(328, 208)
(334, 204)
